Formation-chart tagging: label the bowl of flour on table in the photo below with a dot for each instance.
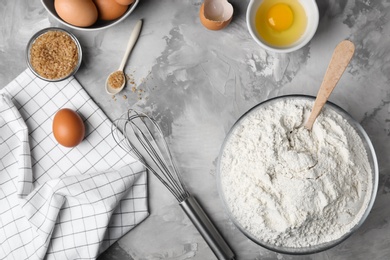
(292, 190)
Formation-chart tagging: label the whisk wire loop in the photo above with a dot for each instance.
(158, 159)
(142, 137)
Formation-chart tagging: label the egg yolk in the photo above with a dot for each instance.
(280, 17)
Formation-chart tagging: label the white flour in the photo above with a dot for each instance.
(295, 189)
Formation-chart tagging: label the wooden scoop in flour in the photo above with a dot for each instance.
(339, 62)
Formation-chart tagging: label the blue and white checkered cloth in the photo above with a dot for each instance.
(57, 202)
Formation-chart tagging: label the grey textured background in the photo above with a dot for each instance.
(198, 82)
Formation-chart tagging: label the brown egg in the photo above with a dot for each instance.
(215, 14)
(109, 9)
(81, 13)
(125, 2)
(68, 127)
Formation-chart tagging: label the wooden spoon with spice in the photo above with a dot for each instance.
(116, 81)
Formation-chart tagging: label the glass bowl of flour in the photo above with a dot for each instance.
(292, 190)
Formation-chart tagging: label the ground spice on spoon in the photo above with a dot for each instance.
(116, 79)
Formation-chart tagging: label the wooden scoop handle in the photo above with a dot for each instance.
(338, 63)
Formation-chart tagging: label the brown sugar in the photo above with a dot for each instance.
(116, 79)
(54, 55)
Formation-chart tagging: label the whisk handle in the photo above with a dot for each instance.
(207, 229)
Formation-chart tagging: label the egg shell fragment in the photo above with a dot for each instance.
(68, 128)
(81, 13)
(215, 14)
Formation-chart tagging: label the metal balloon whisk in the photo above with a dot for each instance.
(142, 137)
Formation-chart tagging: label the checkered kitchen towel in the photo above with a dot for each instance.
(57, 202)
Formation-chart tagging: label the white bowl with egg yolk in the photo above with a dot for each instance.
(282, 28)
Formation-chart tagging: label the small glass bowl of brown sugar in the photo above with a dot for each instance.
(53, 54)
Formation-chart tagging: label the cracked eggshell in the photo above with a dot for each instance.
(215, 14)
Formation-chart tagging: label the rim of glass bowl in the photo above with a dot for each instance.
(320, 247)
(43, 31)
